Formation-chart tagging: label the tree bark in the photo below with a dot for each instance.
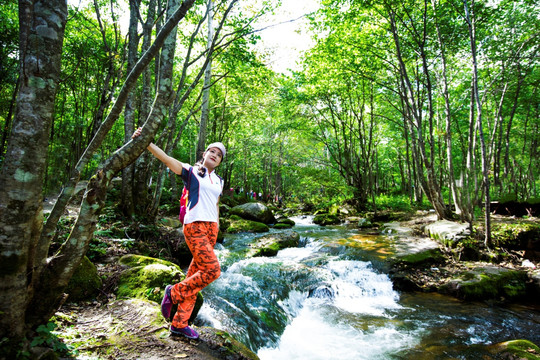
(53, 280)
(207, 81)
(42, 25)
(485, 166)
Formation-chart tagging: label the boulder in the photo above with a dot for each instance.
(447, 232)
(282, 226)
(487, 282)
(254, 211)
(285, 220)
(269, 245)
(171, 222)
(241, 225)
(326, 219)
(515, 349)
(146, 277)
(85, 282)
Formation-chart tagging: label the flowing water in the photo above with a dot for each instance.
(331, 299)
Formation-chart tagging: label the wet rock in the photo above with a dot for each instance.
(326, 219)
(515, 349)
(447, 232)
(269, 245)
(85, 282)
(484, 282)
(322, 292)
(255, 212)
(395, 229)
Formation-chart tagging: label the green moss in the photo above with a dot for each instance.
(282, 226)
(487, 284)
(147, 282)
(132, 260)
(522, 349)
(232, 347)
(326, 219)
(431, 256)
(85, 282)
(514, 234)
(242, 225)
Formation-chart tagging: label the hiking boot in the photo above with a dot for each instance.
(167, 303)
(187, 332)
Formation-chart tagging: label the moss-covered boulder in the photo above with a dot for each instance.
(269, 245)
(421, 258)
(282, 226)
(254, 211)
(171, 222)
(85, 282)
(515, 349)
(285, 220)
(239, 224)
(447, 232)
(488, 282)
(146, 278)
(326, 219)
(521, 235)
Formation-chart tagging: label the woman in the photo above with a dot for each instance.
(201, 226)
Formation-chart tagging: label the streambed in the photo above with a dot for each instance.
(330, 298)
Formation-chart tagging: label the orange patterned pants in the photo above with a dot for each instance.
(201, 238)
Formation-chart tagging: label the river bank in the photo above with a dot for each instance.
(123, 332)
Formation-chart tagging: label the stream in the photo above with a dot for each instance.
(330, 298)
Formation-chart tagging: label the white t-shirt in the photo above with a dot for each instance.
(204, 193)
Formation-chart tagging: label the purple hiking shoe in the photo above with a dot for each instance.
(166, 303)
(187, 332)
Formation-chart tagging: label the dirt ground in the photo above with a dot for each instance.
(127, 329)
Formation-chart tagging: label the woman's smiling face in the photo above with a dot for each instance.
(212, 158)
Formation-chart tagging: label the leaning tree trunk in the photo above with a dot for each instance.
(42, 25)
(54, 277)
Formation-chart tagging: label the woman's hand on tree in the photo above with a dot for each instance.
(137, 133)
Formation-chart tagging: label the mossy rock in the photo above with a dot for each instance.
(285, 220)
(133, 260)
(171, 222)
(228, 345)
(517, 236)
(269, 245)
(85, 282)
(516, 349)
(147, 278)
(148, 281)
(489, 282)
(430, 256)
(242, 225)
(326, 219)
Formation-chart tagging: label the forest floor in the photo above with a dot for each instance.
(108, 328)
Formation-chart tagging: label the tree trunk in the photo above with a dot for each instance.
(129, 112)
(207, 81)
(52, 280)
(485, 166)
(42, 25)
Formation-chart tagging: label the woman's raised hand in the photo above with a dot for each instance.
(136, 133)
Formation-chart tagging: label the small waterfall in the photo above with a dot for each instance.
(329, 321)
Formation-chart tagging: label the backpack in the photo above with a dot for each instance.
(183, 204)
(184, 198)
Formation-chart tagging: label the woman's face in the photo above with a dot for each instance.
(212, 158)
